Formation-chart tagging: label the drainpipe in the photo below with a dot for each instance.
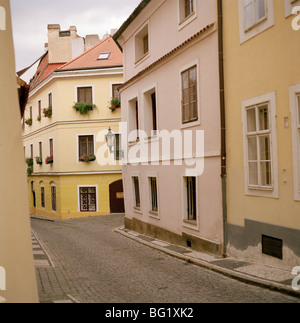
(223, 124)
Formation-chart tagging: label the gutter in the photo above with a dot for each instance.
(223, 124)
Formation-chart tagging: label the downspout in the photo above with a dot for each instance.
(223, 124)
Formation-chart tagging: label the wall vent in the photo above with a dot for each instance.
(272, 247)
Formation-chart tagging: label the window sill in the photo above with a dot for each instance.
(262, 20)
(187, 20)
(142, 58)
(137, 210)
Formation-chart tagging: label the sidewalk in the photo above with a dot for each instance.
(276, 279)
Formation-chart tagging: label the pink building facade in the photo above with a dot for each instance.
(170, 103)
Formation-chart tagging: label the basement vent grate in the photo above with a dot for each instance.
(272, 247)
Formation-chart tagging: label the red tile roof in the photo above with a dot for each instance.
(89, 59)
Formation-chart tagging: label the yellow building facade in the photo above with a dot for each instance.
(262, 98)
(68, 187)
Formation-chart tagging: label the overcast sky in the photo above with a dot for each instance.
(30, 19)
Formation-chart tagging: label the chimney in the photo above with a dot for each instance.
(60, 43)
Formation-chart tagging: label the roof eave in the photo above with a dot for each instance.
(129, 20)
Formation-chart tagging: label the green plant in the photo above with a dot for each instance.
(114, 104)
(87, 158)
(47, 112)
(29, 162)
(84, 108)
(39, 160)
(38, 118)
(49, 160)
(28, 121)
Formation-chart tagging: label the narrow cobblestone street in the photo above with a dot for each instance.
(85, 261)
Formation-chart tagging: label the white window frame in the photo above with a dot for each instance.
(294, 92)
(191, 224)
(146, 114)
(271, 192)
(131, 120)
(78, 197)
(84, 135)
(153, 214)
(186, 67)
(182, 22)
(289, 5)
(138, 42)
(259, 26)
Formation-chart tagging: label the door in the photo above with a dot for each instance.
(116, 196)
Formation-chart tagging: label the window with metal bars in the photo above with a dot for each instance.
(136, 186)
(191, 199)
(153, 194)
(53, 197)
(43, 196)
(88, 199)
(189, 95)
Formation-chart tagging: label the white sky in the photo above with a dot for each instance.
(30, 19)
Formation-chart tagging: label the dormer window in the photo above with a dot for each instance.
(103, 56)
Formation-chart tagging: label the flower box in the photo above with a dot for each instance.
(47, 112)
(83, 108)
(39, 160)
(28, 121)
(49, 160)
(114, 104)
(87, 158)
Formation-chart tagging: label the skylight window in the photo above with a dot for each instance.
(103, 56)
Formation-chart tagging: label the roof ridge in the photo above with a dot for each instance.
(84, 53)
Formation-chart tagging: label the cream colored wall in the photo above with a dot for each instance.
(263, 64)
(16, 255)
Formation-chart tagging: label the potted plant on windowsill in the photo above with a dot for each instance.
(84, 108)
(39, 160)
(29, 162)
(28, 121)
(87, 158)
(49, 160)
(47, 112)
(114, 104)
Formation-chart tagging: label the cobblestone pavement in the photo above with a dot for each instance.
(86, 261)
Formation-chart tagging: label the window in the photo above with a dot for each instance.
(254, 12)
(153, 194)
(85, 94)
(189, 95)
(255, 16)
(141, 43)
(40, 149)
(191, 199)
(43, 197)
(259, 146)
(51, 146)
(295, 121)
(103, 56)
(50, 100)
(88, 199)
(40, 108)
(187, 10)
(289, 5)
(150, 113)
(30, 112)
(115, 91)
(53, 197)
(86, 145)
(118, 147)
(136, 188)
(133, 118)
(260, 149)
(31, 151)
